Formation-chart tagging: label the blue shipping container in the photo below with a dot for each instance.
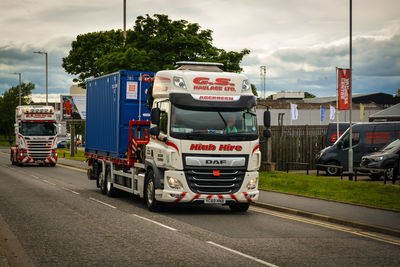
(112, 101)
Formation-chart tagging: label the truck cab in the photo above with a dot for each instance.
(35, 136)
(204, 146)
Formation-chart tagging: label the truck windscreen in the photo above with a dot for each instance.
(231, 125)
(37, 129)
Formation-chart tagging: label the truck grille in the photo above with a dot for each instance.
(206, 181)
(39, 149)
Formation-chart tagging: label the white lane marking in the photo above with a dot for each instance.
(101, 202)
(43, 180)
(160, 224)
(72, 191)
(72, 168)
(242, 254)
(31, 175)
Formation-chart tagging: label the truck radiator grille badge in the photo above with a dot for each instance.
(203, 181)
(39, 150)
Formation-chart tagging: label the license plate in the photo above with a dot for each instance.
(214, 201)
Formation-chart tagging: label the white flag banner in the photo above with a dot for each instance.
(332, 113)
(295, 113)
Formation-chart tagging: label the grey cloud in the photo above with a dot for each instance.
(14, 58)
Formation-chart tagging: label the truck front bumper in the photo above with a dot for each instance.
(247, 193)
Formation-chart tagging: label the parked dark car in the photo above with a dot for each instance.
(62, 144)
(366, 138)
(386, 158)
(331, 133)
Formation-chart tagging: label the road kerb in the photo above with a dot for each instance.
(316, 216)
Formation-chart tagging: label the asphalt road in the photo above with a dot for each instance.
(56, 217)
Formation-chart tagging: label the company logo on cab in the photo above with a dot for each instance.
(211, 147)
(220, 84)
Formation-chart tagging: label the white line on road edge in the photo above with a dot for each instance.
(160, 224)
(242, 254)
(48, 182)
(72, 191)
(101, 202)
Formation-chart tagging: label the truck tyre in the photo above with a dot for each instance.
(110, 190)
(239, 207)
(102, 182)
(150, 194)
(332, 171)
(12, 158)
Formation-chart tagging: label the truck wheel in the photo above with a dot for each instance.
(239, 207)
(102, 183)
(12, 158)
(110, 190)
(18, 162)
(332, 171)
(150, 194)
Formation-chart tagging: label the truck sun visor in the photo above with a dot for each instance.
(219, 102)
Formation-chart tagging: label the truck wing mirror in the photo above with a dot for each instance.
(155, 131)
(267, 133)
(267, 118)
(155, 116)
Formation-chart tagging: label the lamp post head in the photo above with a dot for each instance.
(40, 52)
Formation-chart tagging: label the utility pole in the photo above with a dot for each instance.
(351, 101)
(124, 22)
(263, 72)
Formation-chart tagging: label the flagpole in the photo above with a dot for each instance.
(320, 114)
(337, 106)
(351, 101)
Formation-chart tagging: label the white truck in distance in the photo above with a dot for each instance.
(202, 147)
(35, 136)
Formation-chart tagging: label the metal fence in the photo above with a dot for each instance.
(294, 144)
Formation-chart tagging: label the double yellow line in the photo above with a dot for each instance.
(326, 225)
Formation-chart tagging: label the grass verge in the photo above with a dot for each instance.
(372, 194)
(66, 153)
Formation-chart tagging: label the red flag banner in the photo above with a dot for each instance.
(344, 89)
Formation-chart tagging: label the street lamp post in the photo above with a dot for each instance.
(19, 99)
(47, 76)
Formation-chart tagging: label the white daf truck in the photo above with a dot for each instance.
(35, 136)
(201, 146)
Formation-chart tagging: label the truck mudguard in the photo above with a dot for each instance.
(158, 173)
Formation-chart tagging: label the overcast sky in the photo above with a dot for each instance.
(299, 41)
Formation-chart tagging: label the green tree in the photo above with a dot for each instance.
(155, 43)
(308, 95)
(254, 89)
(8, 102)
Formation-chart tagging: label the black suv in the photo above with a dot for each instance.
(386, 158)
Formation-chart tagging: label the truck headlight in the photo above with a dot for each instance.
(174, 183)
(246, 86)
(252, 184)
(180, 82)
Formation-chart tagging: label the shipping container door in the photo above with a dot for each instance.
(132, 104)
